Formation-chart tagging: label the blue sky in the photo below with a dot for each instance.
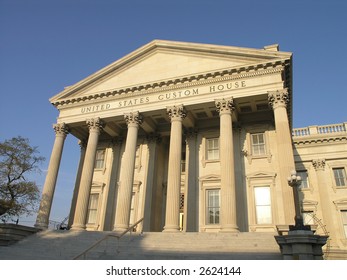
(46, 45)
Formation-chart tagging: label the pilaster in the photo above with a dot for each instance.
(108, 208)
(326, 203)
(190, 189)
(153, 141)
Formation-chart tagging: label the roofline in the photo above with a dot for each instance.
(175, 45)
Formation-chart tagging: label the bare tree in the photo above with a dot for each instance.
(18, 196)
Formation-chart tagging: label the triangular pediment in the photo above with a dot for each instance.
(261, 174)
(160, 61)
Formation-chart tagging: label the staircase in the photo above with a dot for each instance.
(60, 245)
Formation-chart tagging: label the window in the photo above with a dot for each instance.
(258, 144)
(92, 208)
(304, 179)
(263, 205)
(212, 149)
(99, 159)
(213, 206)
(340, 176)
(344, 221)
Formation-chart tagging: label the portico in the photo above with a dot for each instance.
(141, 159)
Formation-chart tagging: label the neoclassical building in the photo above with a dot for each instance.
(197, 138)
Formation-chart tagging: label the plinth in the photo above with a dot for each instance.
(301, 245)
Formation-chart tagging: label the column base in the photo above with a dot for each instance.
(120, 228)
(171, 228)
(78, 227)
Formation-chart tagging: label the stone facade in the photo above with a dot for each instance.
(195, 137)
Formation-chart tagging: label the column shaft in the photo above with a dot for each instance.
(42, 220)
(80, 218)
(228, 192)
(125, 185)
(177, 114)
(278, 100)
(77, 183)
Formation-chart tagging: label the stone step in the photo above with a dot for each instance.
(68, 244)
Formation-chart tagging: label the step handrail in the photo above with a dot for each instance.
(118, 236)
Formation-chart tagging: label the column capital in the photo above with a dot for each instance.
(318, 164)
(61, 129)
(133, 118)
(176, 112)
(82, 144)
(225, 106)
(278, 98)
(95, 124)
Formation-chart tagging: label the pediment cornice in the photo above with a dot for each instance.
(198, 79)
(254, 62)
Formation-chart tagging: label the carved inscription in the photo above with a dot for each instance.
(179, 94)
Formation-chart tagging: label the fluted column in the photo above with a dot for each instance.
(95, 126)
(278, 100)
(176, 114)
(225, 107)
(126, 178)
(77, 183)
(61, 130)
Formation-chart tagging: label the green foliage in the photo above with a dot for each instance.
(18, 159)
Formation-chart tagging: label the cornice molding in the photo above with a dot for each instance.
(318, 141)
(200, 79)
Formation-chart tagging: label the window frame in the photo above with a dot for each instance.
(247, 149)
(257, 179)
(344, 221)
(215, 208)
(263, 206)
(213, 149)
(98, 160)
(257, 145)
(95, 209)
(343, 178)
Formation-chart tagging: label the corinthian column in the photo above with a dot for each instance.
(176, 114)
(278, 100)
(95, 126)
(228, 193)
(61, 130)
(126, 177)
